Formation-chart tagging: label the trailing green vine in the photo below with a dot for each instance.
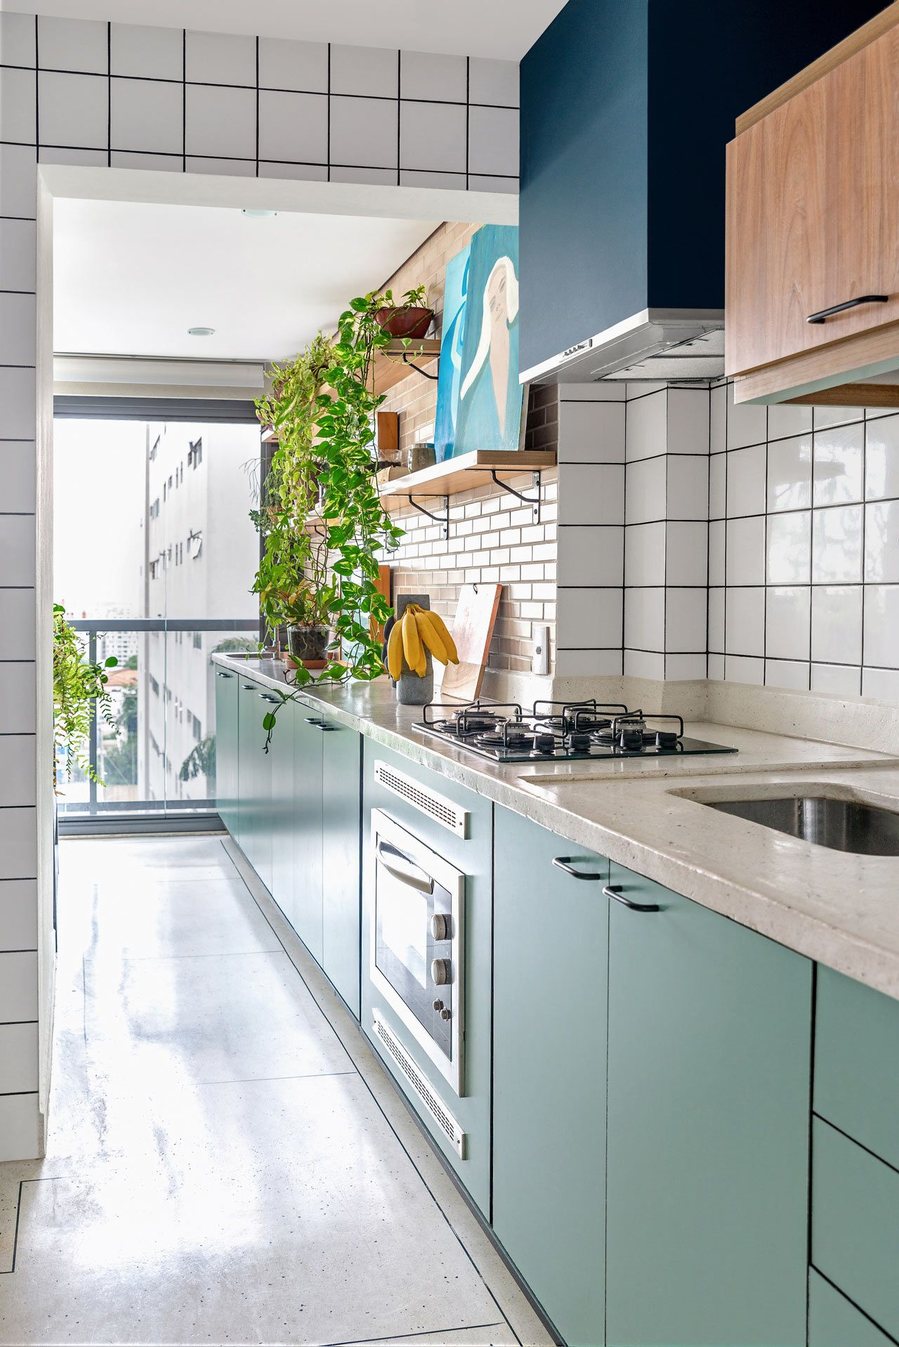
(79, 686)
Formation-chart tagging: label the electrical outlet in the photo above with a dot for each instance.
(540, 659)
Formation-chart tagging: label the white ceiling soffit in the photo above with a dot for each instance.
(130, 279)
(502, 29)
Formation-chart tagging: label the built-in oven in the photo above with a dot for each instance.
(417, 942)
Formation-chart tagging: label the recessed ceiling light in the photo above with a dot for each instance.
(256, 214)
(200, 331)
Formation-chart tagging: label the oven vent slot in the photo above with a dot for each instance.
(440, 1114)
(437, 807)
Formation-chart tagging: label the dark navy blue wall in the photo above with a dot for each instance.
(626, 109)
(709, 62)
(583, 174)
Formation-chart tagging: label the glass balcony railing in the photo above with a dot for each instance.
(152, 749)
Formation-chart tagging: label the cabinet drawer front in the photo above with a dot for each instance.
(834, 1322)
(857, 1062)
(855, 1224)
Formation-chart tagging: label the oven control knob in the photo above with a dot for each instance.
(441, 972)
(440, 926)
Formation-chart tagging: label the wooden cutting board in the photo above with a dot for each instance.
(472, 630)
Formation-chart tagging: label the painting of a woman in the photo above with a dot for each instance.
(490, 396)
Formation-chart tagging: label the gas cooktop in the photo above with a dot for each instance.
(560, 731)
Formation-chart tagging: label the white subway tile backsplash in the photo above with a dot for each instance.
(679, 667)
(838, 465)
(62, 154)
(644, 554)
(837, 624)
(381, 177)
(156, 163)
(485, 182)
(784, 673)
(73, 44)
(837, 545)
(688, 486)
(146, 52)
(882, 458)
(788, 622)
(718, 486)
(493, 141)
(18, 181)
(18, 106)
(220, 58)
(746, 422)
(17, 404)
(74, 110)
(412, 177)
(18, 316)
(590, 618)
(715, 665)
(789, 548)
(17, 254)
(18, 914)
(716, 621)
(688, 421)
(881, 684)
(17, 553)
(646, 497)
(647, 426)
(293, 127)
(644, 619)
(17, 701)
(744, 621)
(17, 628)
(882, 541)
(746, 486)
(432, 136)
(745, 561)
(18, 1058)
(364, 70)
(18, 987)
(364, 132)
(493, 82)
(18, 780)
(784, 420)
(17, 476)
(825, 417)
(590, 555)
(881, 631)
(220, 122)
(20, 1127)
(146, 115)
(790, 474)
(17, 39)
(686, 553)
(739, 669)
(644, 664)
(433, 75)
(717, 542)
(685, 620)
(219, 167)
(841, 680)
(718, 419)
(288, 64)
(588, 663)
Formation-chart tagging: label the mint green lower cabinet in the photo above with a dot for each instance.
(307, 823)
(549, 1069)
(226, 748)
(833, 1321)
(281, 816)
(708, 1121)
(341, 858)
(254, 768)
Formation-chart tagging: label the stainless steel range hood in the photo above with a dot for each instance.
(675, 345)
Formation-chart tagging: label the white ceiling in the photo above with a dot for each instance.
(131, 278)
(495, 28)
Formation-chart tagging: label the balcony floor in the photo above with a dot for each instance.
(226, 1161)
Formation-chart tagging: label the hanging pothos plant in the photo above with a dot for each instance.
(320, 513)
(79, 692)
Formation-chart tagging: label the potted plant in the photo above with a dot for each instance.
(409, 319)
(79, 692)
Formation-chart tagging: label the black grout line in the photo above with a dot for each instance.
(399, 115)
(256, 56)
(184, 100)
(328, 118)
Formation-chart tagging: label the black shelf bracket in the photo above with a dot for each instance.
(533, 501)
(418, 369)
(441, 519)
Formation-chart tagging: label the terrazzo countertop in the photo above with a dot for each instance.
(835, 907)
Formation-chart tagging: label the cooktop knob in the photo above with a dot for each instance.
(441, 972)
(440, 926)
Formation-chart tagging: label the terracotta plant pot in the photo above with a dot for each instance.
(308, 646)
(405, 322)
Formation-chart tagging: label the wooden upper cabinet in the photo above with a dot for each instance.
(813, 218)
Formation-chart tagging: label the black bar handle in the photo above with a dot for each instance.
(823, 314)
(615, 891)
(314, 720)
(267, 697)
(564, 863)
(248, 687)
(220, 673)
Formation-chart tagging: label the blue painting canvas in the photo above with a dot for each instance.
(490, 396)
(450, 377)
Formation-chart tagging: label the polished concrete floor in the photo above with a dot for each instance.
(226, 1160)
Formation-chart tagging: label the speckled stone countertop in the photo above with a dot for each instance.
(647, 813)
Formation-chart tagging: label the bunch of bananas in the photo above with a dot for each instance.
(412, 636)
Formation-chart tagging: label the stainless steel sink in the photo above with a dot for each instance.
(843, 825)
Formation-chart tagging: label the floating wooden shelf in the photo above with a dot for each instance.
(464, 473)
(398, 360)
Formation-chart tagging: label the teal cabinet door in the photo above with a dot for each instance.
(226, 748)
(708, 1121)
(281, 765)
(549, 1071)
(264, 830)
(307, 829)
(250, 740)
(341, 858)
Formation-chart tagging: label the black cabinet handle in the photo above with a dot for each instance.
(313, 720)
(564, 863)
(220, 673)
(614, 891)
(248, 687)
(266, 697)
(823, 314)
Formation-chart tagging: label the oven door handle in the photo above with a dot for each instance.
(419, 880)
